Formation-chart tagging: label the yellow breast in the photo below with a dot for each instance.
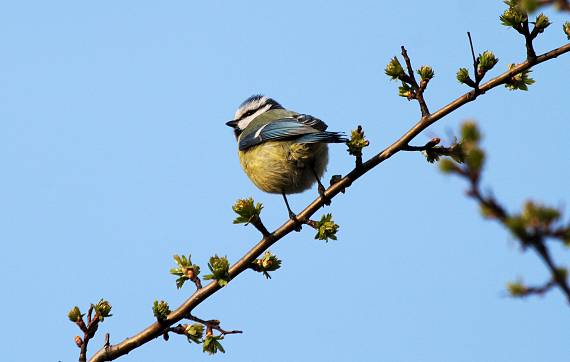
(278, 167)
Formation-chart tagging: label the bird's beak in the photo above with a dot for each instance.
(232, 123)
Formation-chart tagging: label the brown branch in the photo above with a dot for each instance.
(428, 146)
(156, 329)
(478, 75)
(418, 91)
(213, 324)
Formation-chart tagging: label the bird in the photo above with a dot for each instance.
(281, 151)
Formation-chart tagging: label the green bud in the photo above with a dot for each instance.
(426, 72)
(103, 309)
(247, 210)
(219, 266)
(161, 310)
(514, 16)
(267, 263)
(74, 314)
(185, 270)
(470, 132)
(541, 23)
(539, 216)
(487, 61)
(463, 76)
(357, 142)
(394, 69)
(520, 80)
(457, 152)
(194, 332)
(517, 289)
(566, 29)
(405, 91)
(326, 228)
(475, 159)
(212, 345)
(447, 166)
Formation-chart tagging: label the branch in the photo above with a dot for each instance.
(213, 324)
(418, 90)
(156, 329)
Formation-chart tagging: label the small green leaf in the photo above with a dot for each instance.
(185, 270)
(542, 22)
(517, 289)
(515, 15)
(357, 142)
(219, 266)
(326, 228)
(447, 166)
(470, 132)
(566, 29)
(267, 263)
(194, 332)
(212, 345)
(405, 91)
(394, 69)
(246, 210)
(426, 72)
(103, 309)
(538, 216)
(519, 81)
(74, 314)
(487, 61)
(161, 310)
(463, 76)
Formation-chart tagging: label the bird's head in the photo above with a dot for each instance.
(249, 110)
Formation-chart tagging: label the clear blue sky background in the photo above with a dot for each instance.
(115, 156)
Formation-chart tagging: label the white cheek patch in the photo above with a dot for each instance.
(242, 124)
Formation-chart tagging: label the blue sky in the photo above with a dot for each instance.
(115, 156)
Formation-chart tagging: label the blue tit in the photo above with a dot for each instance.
(281, 151)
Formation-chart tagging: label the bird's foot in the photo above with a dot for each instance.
(326, 200)
(293, 217)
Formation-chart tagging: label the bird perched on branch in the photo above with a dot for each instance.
(281, 151)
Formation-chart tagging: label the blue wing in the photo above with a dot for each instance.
(301, 130)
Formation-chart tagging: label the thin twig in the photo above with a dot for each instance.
(418, 92)
(212, 323)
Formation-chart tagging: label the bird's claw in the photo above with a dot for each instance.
(293, 217)
(326, 200)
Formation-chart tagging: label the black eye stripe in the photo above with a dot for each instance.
(249, 113)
